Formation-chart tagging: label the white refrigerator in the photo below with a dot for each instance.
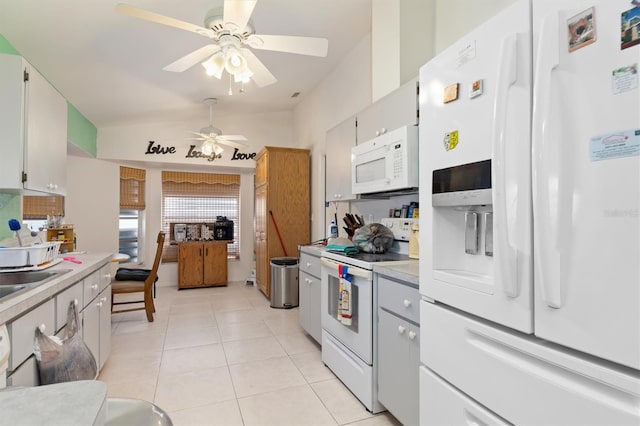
(530, 219)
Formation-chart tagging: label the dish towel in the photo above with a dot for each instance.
(344, 296)
(342, 249)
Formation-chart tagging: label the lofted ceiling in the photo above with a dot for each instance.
(109, 66)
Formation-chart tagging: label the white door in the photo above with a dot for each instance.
(586, 179)
(488, 119)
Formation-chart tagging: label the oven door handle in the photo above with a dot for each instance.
(353, 270)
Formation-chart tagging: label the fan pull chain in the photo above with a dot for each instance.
(230, 91)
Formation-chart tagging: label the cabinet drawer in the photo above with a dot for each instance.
(62, 303)
(22, 331)
(104, 276)
(310, 264)
(26, 375)
(400, 298)
(91, 288)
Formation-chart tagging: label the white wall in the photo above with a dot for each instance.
(344, 92)
(92, 203)
(455, 18)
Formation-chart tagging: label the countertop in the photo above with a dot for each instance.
(404, 270)
(72, 403)
(313, 250)
(15, 306)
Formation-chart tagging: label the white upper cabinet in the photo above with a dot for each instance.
(339, 142)
(397, 109)
(33, 129)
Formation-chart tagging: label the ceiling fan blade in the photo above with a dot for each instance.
(125, 9)
(231, 143)
(238, 12)
(261, 75)
(234, 137)
(312, 46)
(192, 58)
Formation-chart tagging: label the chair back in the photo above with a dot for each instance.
(156, 262)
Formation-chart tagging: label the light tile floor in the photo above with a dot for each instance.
(223, 356)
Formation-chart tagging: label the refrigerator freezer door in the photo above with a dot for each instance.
(442, 404)
(586, 182)
(523, 379)
(494, 284)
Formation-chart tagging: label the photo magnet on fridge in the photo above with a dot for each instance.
(582, 29)
(451, 93)
(630, 28)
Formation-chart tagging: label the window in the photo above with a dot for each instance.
(36, 209)
(132, 202)
(199, 197)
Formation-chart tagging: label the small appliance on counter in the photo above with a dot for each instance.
(180, 231)
(414, 241)
(223, 229)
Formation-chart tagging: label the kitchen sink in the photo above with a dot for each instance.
(11, 283)
(8, 290)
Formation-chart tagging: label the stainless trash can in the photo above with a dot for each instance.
(284, 282)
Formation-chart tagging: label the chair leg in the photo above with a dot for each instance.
(148, 306)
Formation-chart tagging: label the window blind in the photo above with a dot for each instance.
(132, 188)
(41, 206)
(196, 198)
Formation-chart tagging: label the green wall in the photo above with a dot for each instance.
(80, 131)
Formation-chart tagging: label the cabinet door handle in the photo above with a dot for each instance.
(103, 299)
(383, 130)
(308, 264)
(401, 329)
(407, 303)
(107, 276)
(94, 287)
(75, 302)
(42, 327)
(99, 304)
(412, 335)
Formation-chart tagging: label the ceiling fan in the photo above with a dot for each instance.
(212, 137)
(232, 34)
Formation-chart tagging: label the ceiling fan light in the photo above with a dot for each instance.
(208, 147)
(215, 65)
(244, 76)
(217, 149)
(235, 63)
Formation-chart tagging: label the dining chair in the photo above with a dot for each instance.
(145, 287)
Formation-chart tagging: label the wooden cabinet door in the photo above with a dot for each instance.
(262, 256)
(215, 263)
(261, 169)
(190, 265)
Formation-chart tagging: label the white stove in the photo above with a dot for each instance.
(349, 341)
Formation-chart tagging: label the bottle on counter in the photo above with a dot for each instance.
(333, 230)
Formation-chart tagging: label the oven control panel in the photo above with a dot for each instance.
(401, 227)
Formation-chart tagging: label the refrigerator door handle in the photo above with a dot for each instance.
(507, 266)
(545, 182)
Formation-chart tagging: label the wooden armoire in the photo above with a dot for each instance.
(282, 204)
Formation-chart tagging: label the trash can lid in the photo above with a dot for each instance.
(284, 261)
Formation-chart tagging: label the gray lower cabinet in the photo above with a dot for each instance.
(309, 295)
(93, 295)
(398, 349)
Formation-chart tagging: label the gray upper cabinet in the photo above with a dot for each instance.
(397, 109)
(339, 142)
(33, 129)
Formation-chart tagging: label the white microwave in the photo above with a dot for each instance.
(387, 163)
